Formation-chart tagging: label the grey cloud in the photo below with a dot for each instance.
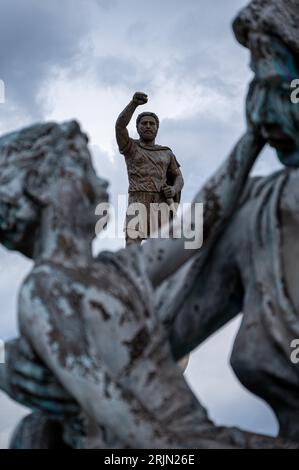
(116, 70)
(204, 48)
(137, 31)
(202, 23)
(205, 70)
(188, 43)
(200, 143)
(122, 72)
(107, 4)
(36, 38)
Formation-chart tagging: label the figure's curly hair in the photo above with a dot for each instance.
(279, 18)
(50, 145)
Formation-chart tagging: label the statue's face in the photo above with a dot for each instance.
(147, 128)
(269, 105)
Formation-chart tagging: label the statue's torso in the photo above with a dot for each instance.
(147, 167)
(96, 322)
(101, 330)
(267, 257)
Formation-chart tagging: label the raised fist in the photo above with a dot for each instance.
(140, 98)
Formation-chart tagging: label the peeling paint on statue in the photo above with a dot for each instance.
(93, 322)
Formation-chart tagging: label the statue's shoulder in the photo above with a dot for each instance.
(42, 275)
(164, 147)
(154, 148)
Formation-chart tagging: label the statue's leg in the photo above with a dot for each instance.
(37, 431)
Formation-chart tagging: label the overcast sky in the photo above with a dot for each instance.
(84, 59)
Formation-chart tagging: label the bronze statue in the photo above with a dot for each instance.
(155, 179)
(247, 263)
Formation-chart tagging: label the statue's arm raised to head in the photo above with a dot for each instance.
(121, 131)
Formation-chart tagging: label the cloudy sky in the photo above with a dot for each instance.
(84, 59)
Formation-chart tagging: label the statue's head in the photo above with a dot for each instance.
(270, 30)
(147, 125)
(46, 165)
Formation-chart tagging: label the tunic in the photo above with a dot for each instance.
(149, 169)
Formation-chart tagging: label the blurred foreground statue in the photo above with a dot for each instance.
(254, 268)
(94, 323)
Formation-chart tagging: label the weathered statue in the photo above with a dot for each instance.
(106, 344)
(254, 266)
(155, 179)
(92, 322)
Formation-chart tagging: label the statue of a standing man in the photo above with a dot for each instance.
(155, 179)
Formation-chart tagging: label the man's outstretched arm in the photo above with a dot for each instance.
(121, 131)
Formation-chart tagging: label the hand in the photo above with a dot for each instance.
(140, 98)
(168, 191)
(29, 382)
